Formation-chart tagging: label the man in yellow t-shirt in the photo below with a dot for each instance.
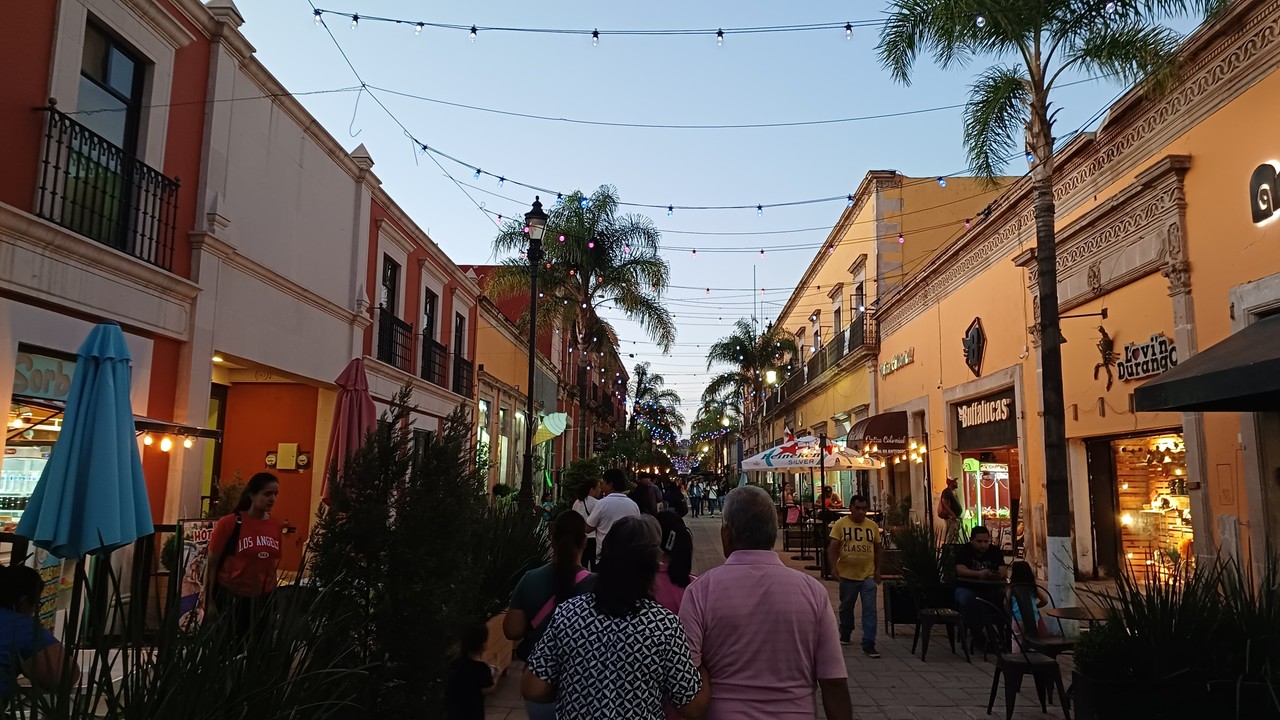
(854, 551)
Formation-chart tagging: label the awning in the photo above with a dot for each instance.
(140, 423)
(1239, 374)
(883, 434)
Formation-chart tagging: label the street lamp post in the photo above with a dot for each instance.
(536, 222)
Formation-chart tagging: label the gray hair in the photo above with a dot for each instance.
(751, 517)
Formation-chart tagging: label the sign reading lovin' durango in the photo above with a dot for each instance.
(1141, 360)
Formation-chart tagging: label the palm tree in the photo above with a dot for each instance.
(648, 389)
(751, 356)
(1011, 103)
(594, 256)
(716, 422)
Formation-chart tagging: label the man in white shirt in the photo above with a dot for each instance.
(614, 506)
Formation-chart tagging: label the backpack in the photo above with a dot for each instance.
(944, 508)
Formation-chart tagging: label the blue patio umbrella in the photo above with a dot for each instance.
(91, 497)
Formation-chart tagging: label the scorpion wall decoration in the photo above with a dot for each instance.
(1106, 348)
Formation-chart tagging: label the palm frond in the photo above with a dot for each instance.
(995, 118)
(1132, 51)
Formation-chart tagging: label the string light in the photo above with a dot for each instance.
(1111, 8)
(626, 249)
(762, 255)
(501, 181)
(473, 33)
(695, 253)
(559, 199)
(476, 175)
(760, 211)
(981, 21)
(966, 223)
(595, 38)
(319, 18)
(417, 29)
(355, 21)
(584, 203)
(720, 38)
(671, 210)
(850, 203)
(848, 31)
(901, 239)
(942, 182)
(188, 443)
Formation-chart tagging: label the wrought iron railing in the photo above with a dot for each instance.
(858, 337)
(434, 358)
(92, 187)
(462, 378)
(395, 341)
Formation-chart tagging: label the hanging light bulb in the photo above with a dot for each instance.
(595, 38)
(501, 181)
(719, 38)
(942, 182)
(1031, 159)
(848, 31)
(166, 444)
(319, 17)
(1111, 8)
(762, 255)
(850, 203)
(473, 33)
(759, 211)
(626, 249)
(146, 439)
(355, 23)
(966, 223)
(981, 21)
(188, 443)
(583, 203)
(417, 29)
(901, 239)
(708, 292)
(591, 244)
(695, 253)
(671, 210)
(476, 175)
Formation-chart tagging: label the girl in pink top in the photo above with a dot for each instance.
(677, 560)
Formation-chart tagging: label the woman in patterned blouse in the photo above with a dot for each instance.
(615, 654)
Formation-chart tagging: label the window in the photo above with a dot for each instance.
(390, 283)
(817, 331)
(859, 298)
(836, 312)
(110, 101)
(460, 335)
(429, 309)
(421, 444)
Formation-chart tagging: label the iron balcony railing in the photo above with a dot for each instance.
(462, 378)
(395, 341)
(858, 337)
(434, 358)
(92, 187)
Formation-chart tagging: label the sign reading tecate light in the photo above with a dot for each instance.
(1152, 357)
(1263, 192)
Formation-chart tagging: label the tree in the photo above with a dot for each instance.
(751, 356)
(649, 389)
(1011, 101)
(595, 257)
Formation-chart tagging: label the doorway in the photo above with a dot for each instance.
(1103, 516)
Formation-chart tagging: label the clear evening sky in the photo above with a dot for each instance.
(761, 78)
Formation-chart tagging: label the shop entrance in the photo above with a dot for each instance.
(1141, 509)
(991, 488)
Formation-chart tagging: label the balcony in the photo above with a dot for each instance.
(463, 379)
(856, 340)
(395, 341)
(91, 187)
(434, 357)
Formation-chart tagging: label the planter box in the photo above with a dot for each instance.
(1181, 697)
(500, 651)
(899, 607)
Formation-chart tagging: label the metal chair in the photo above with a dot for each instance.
(1025, 596)
(1015, 666)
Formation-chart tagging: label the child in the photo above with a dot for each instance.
(469, 676)
(1023, 590)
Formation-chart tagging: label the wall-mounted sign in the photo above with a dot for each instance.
(987, 422)
(1264, 193)
(897, 362)
(1141, 360)
(43, 376)
(975, 346)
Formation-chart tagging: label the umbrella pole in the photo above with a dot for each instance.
(820, 507)
(804, 536)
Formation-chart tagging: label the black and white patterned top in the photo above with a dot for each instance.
(607, 668)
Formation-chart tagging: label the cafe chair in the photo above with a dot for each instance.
(928, 615)
(1016, 665)
(1032, 638)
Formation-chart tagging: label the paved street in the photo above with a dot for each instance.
(898, 686)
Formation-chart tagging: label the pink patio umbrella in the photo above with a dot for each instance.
(354, 416)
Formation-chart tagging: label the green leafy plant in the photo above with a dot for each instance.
(922, 562)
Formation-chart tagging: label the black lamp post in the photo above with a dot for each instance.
(536, 222)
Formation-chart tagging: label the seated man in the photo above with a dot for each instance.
(978, 566)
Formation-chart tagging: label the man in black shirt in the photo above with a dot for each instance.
(980, 571)
(645, 495)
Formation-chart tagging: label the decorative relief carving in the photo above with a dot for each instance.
(1177, 269)
(1095, 277)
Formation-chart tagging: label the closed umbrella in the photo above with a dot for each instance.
(92, 497)
(354, 417)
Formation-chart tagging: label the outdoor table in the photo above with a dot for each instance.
(1084, 614)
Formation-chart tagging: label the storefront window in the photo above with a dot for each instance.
(1154, 505)
(31, 433)
(989, 485)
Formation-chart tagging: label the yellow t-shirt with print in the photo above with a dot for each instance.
(857, 547)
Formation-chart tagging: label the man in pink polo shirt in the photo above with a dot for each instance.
(762, 634)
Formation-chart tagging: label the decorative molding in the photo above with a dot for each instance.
(392, 233)
(159, 20)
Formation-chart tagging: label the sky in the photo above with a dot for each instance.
(751, 78)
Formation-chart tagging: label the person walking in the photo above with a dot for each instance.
(854, 551)
(713, 498)
(587, 496)
(949, 510)
(469, 676)
(763, 634)
(614, 653)
(673, 498)
(695, 498)
(614, 506)
(541, 590)
(642, 496)
(244, 557)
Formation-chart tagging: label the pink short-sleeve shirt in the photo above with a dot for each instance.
(765, 633)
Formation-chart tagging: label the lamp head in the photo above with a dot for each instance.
(771, 376)
(536, 220)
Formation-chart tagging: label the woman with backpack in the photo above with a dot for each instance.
(542, 589)
(244, 556)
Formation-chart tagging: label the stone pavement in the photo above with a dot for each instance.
(898, 686)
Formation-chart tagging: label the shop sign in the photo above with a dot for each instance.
(988, 422)
(43, 376)
(975, 346)
(897, 362)
(1263, 190)
(1152, 357)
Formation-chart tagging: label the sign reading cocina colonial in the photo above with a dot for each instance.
(1152, 357)
(897, 362)
(987, 422)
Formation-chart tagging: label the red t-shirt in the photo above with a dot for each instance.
(250, 568)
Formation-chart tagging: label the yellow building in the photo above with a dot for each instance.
(1165, 249)
(891, 227)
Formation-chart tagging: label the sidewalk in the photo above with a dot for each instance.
(898, 686)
